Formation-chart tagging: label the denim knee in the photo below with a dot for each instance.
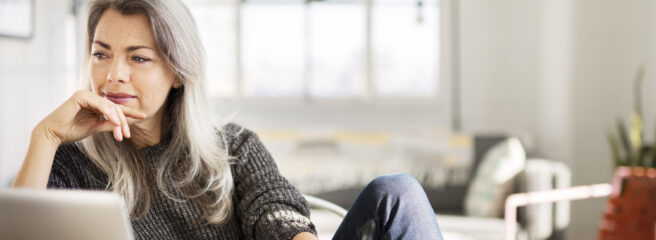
(398, 208)
(395, 185)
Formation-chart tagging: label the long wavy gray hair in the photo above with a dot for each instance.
(195, 162)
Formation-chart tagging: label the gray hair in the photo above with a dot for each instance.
(196, 162)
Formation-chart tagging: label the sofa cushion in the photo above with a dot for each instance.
(493, 180)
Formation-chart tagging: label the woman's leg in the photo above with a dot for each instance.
(390, 207)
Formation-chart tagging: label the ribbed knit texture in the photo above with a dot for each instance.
(266, 206)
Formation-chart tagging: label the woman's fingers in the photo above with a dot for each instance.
(129, 112)
(94, 102)
(124, 123)
(117, 134)
(118, 130)
(116, 114)
(105, 126)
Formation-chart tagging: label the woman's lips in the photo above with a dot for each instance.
(119, 98)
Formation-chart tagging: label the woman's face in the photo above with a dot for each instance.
(126, 67)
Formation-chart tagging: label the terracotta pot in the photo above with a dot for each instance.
(631, 209)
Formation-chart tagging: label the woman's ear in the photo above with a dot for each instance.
(177, 83)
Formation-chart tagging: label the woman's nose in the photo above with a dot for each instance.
(119, 72)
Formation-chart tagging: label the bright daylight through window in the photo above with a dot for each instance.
(332, 49)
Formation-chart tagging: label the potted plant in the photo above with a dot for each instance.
(630, 212)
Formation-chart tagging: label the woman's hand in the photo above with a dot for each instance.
(81, 115)
(305, 236)
(86, 113)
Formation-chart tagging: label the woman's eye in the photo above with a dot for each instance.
(99, 55)
(140, 59)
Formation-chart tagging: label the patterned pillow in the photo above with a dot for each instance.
(494, 177)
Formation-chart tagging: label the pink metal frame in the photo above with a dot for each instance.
(563, 194)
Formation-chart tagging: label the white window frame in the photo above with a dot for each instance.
(414, 109)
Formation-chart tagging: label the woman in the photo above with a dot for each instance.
(141, 130)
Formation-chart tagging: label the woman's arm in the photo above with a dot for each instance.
(269, 206)
(75, 119)
(36, 167)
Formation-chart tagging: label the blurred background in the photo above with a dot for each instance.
(342, 91)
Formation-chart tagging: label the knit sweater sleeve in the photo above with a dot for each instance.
(62, 174)
(269, 206)
(71, 169)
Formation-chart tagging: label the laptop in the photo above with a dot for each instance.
(63, 214)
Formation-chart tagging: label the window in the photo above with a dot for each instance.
(405, 43)
(272, 50)
(217, 26)
(336, 59)
(331, 49)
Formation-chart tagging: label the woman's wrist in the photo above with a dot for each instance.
(45, 136)
(35, 170)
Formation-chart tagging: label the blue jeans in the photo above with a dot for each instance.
(390, 207)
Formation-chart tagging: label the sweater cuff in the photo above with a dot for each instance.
(283, 224)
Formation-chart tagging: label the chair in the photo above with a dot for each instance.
(318, 203)
(326, 216)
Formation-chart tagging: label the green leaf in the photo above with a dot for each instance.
(653, 155)
(615, 150)
(624, 138)
(642, 156)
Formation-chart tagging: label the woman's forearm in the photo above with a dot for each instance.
(35, 170)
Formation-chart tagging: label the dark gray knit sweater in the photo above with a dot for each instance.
(266, 206)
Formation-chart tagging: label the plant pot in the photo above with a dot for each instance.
(630, 212)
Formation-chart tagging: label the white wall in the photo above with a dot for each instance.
(555, 76)
(499, 66)
(611, 42)
(32, 82)
(558, 73)
(649, 87)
